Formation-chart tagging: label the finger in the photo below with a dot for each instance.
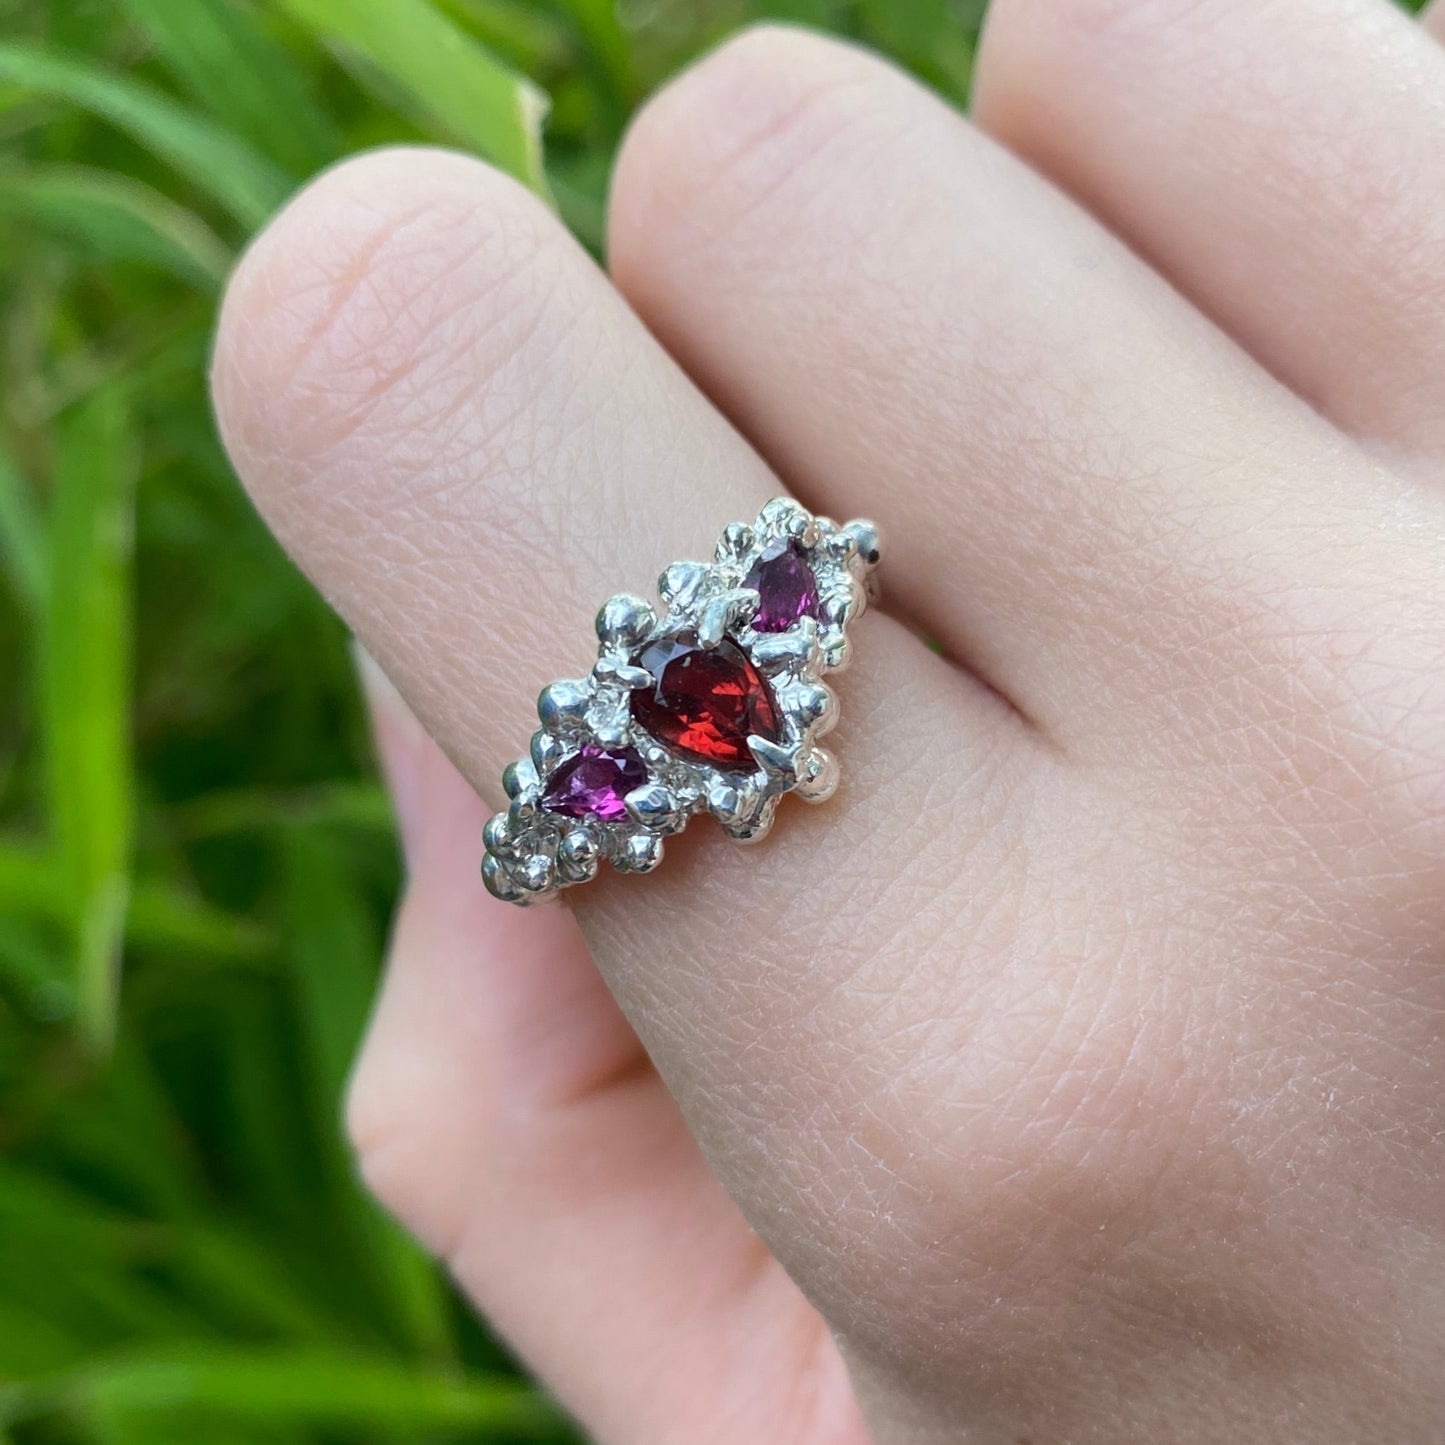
(468, 441)
(1283, 163)
(504, 1110)
(449, 417)
(906, 319)
(1434, 20)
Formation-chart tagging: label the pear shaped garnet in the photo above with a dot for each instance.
(595, 784)
(704, 701)
(786, 587)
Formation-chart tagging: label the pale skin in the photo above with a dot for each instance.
(1096, 1091)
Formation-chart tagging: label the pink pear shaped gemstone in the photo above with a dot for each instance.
(595, 783)
(786, 587)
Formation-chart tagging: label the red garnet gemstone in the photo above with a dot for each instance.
(704, 701)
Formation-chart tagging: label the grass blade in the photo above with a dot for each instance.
(86, 695)
(191, 931)
(34, 887)
(933, 37)
(118, 219)
(336, 954)
(335, 1391)
(609, 44)
(244, 183)
(451, 77)
(22, 537)
(234, 70)
(524, 34)
(33, 974)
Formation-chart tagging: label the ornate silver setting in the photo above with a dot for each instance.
(532, 852)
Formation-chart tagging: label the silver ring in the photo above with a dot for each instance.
(712, 704)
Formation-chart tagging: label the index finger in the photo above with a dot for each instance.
(468, 441)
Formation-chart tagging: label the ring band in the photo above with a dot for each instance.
(714, 704)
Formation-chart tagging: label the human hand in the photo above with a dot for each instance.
(1079, 1067)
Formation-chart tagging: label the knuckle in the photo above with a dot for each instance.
(399, 1118)
(384, 1162)
(369, 1115)
(1069, 1140)
(1109, 20)
(742, 125)
(382, 1134)
(1030, 56)
(371, 304)
(402, 1163)
(1352, 749)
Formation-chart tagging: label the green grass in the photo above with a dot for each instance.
(196, 862)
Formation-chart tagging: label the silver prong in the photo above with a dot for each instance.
(713, 622)
(547, 751)
(798, 648)
(630, 677)
(735, 542)
(610, 719)
(816, 704)
(775, 760)
(725, 612)
(743, 602)
(777, 650)
(783, 517)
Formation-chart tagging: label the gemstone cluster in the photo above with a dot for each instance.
(713, 702)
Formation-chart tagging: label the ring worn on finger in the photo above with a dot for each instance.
(714, 705)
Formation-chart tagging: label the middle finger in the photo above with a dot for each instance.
(1089, 487)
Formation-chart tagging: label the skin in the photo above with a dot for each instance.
(1095, 1094)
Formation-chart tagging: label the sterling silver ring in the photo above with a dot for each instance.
(712, 704)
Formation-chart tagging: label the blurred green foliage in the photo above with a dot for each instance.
(196, 863)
